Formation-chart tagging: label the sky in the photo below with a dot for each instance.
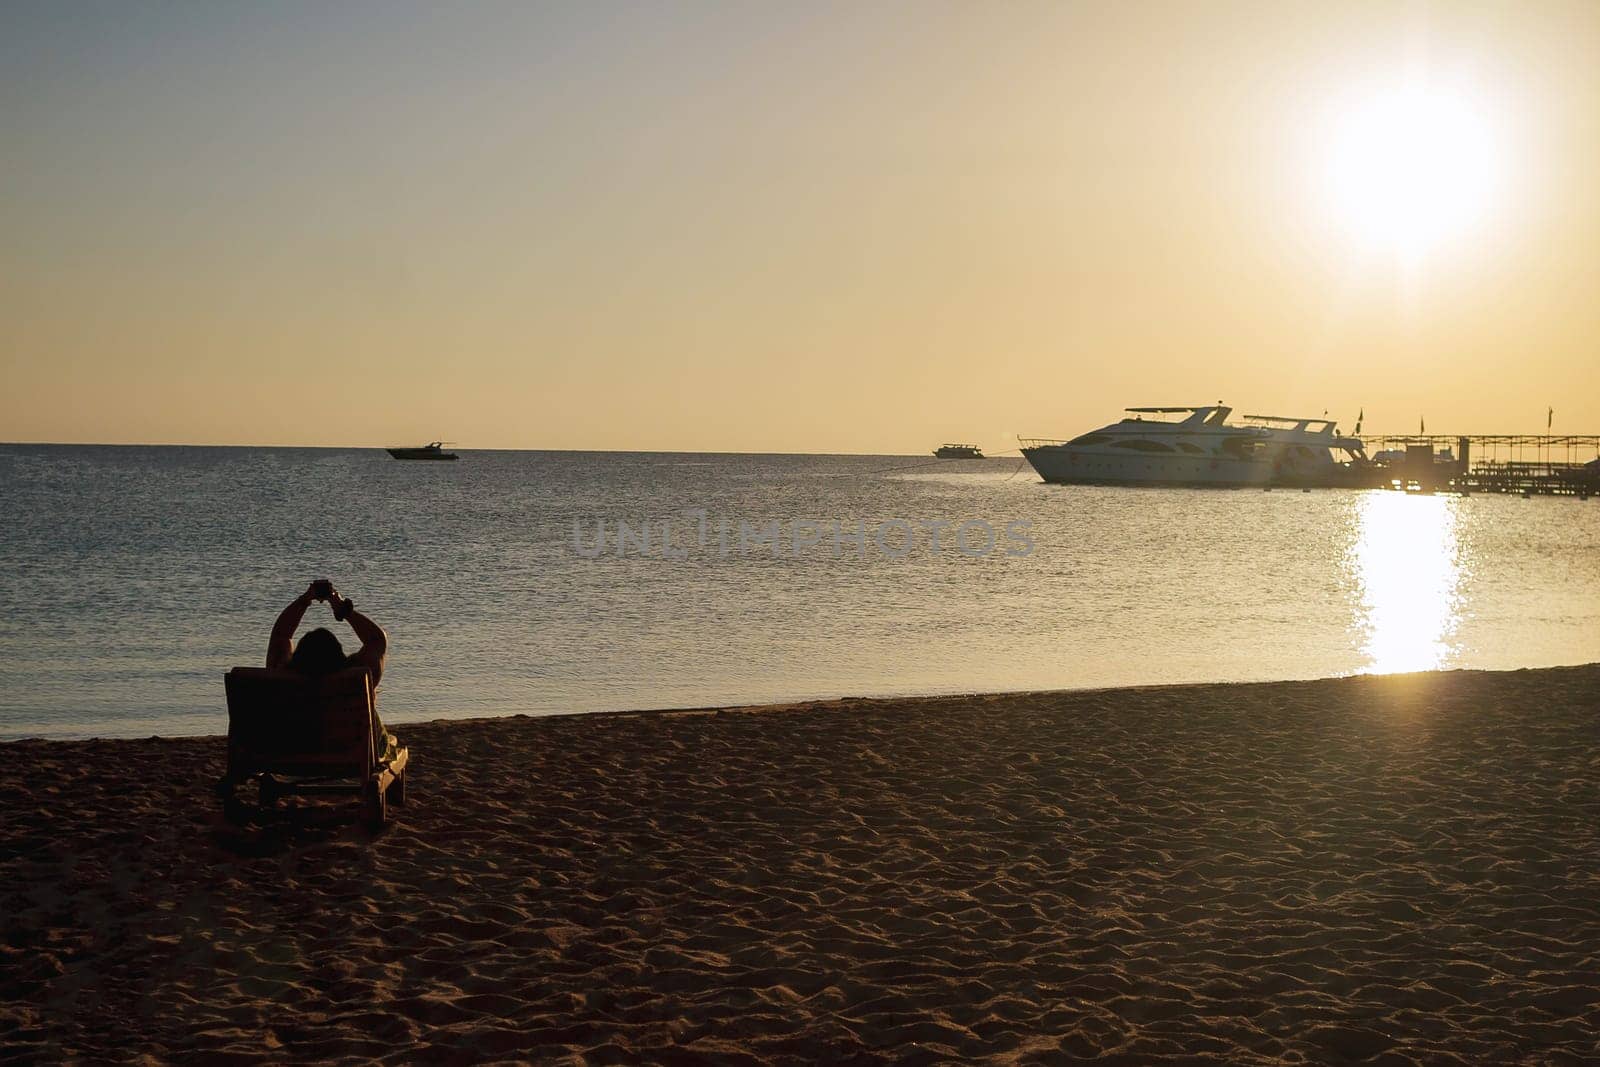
(854, 227)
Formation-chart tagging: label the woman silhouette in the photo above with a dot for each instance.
(319, 652)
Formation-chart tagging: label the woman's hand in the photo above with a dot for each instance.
(341, 605)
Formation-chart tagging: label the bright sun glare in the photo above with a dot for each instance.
(1408, 561)
(1411, 167)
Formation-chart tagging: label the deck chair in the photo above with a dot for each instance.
(320, 733)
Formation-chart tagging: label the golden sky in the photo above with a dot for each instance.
(864, 227)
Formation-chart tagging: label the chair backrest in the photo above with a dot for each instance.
(285, 722)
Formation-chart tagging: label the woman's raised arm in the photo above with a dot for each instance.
(374, 642)
(280, 646)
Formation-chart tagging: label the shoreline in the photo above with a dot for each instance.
(1396, 867)
(809, 702)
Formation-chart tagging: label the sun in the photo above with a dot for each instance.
(1411, 168)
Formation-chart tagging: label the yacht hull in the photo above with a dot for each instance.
(1065, 465)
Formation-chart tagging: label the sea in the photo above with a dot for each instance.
(525, 582)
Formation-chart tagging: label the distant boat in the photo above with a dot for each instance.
(429, 451)
(958, 452)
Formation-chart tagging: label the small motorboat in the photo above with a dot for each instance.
(958, 452)
(434, 450)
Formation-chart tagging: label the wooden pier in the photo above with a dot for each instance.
(1525, 464)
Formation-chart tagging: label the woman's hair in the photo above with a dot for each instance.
(318, 653)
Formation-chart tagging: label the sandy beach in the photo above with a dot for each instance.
(1380, 869)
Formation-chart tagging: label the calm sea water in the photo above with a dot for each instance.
(131, 578)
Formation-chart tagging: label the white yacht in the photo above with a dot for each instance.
(1197, 446)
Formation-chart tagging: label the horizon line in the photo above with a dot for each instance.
(459, 448)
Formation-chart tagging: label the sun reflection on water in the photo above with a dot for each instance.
(1407, 562)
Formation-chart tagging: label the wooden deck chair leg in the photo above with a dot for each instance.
(236, 811)
(374, 804)
(397, 789)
